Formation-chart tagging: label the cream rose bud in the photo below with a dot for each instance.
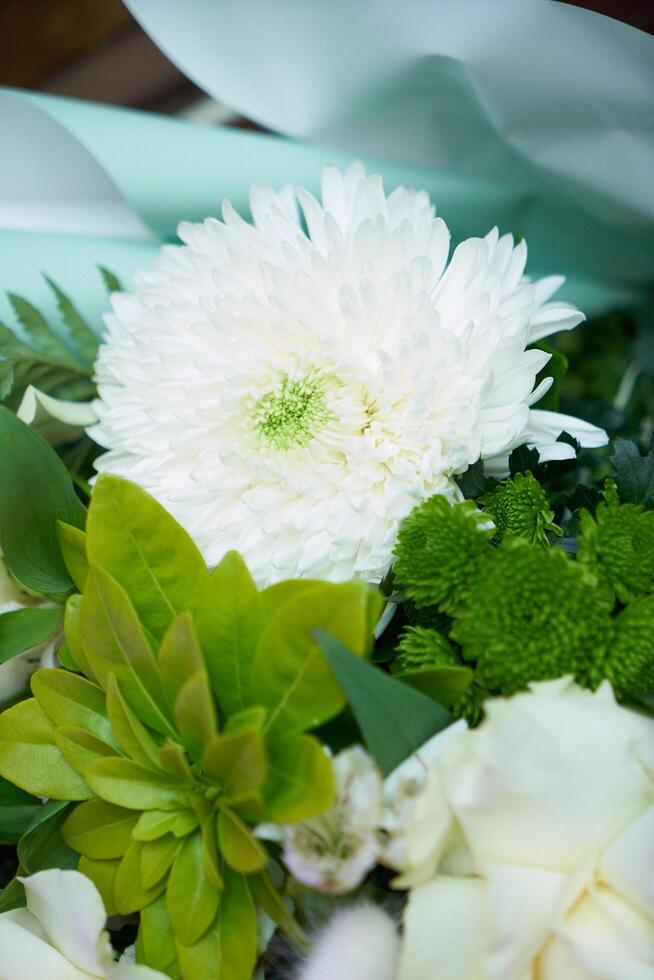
(552, 801)
(334, 852)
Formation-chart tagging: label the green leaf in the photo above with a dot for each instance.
(111, 281)
(229, 620)
(69, 699)
(131, 785)
(30, 758)
(129, 889)
(14, 820)
(156, 859)
(153, 824)
(300, 782)
(99, 830)
(72, 542)
(139, 544)
(40, 847)
(195, 715)
(186, 685)
(179, 657)
(35, 493)
(394, 719)
(131, 734)
(26, 628)
(634, 474)
(155, 943)
(290, 675)
(80, 748)
(103, 875)
(191, 901)
(229, 949)
(236, 760)
(114, 643)
(41, 336)
(238, 845)
(82, 338)
(268, 899)
(442, 684)
(72, 629)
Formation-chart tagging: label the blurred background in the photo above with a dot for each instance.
(94, 49)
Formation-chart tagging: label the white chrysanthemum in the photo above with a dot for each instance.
(294, 394)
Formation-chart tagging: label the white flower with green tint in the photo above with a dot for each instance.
(291, 388)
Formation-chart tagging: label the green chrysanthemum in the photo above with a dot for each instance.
(630, 659)
(531, 616)
(519, 506)
(438, 550)
(421, 648)
(618, 546)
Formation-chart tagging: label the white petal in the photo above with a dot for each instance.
(359, 943)
(24, 956)
(628, 862)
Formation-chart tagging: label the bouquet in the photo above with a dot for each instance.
(326, 589)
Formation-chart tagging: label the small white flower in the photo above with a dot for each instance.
(60, 935)
(334, 852)
(293, 394)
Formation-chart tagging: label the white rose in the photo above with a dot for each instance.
(544, 818)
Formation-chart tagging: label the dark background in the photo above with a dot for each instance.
(93, 49)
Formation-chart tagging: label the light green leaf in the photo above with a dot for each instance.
(35, 492)
(155, 943)
(30, 758)
(186, 685)
(131, 785)
(153, 824)
(147, 552)
(173, 760)
(156, 859)
(133, 737)
(103, 875)
(195, 715)
(237, 761)
(26, 628)
(72, 629)
(80, 748)
(238, 845)
(268, 899)
(300, 783)
(290, 675)
(229, 620)
(192, 902)
(394, 719)
(442, 684)
(72, 542)
(179, 657)
(99, 830)
(69, 699)
(229, 949)
(114, 643)
(129, 889)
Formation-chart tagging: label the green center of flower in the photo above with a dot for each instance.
(294, 412)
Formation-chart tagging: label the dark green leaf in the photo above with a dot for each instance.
(82, 339)
(111, 281)
(26, 628)
(634, 474)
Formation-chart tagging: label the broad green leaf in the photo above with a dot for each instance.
(155, 943)
(99, 830)
(300, 780)
(140, 545)
(103, 875)
(65, 659)
(442, 684)
(11, 795)
(237, 762)
(14, 820)
(238, 845)
(153, 824)
(268, 899)
(72, 628)
(132, 736)
(69, 699)
(179, 657)
(394, 719)
(131, 785)
(228, 622)
(192, 902)
(290, 675)
(130, 892)
(35, 492)
(82, 338)
(40, 847)
(72, 542)
(195, 715)
(26, 628)
(156, 859)
(229, 949)
(173, 760)
(634, 473)
(80, 748)
(30, 758)
(114, 643)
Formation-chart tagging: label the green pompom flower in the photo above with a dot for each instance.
(519, 506)
(531, 615)
(630, 660)
(438, 550)
(617, 545)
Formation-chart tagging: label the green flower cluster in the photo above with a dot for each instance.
(521, 612)
(181, 725)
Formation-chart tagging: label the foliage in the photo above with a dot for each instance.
(172, 747)
(519, 506)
